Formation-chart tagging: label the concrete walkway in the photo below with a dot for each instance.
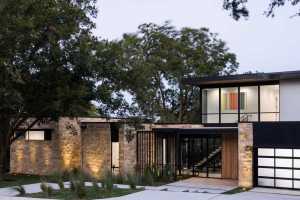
(190, 189)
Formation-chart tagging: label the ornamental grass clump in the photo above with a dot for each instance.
(46, 189)
(58, 178)
(95, 186)
(77, 184)
(20, 189)
(132, 181)
(108, 182)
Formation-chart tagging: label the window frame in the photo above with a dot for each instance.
(239, 110)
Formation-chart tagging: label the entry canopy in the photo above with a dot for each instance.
(196, 131)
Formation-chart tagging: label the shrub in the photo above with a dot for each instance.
(46, 189)
(95, 186)
(58, 178)
(132, 181)
(20, 189)
(77, 184)
(147, 177)
(108, 181)
(118, 179)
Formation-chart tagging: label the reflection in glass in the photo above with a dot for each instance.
(210, 105)
(249, 103)
(269, 102)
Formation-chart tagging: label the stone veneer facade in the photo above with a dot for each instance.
(70, 147)
(245, 148)
(127, 150)
(96, 145)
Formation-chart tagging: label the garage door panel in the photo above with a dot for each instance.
(268, 182)
(284, 173)
(297, 184)
(280, 162)
(266, 172)
(283, 183)
(278, 167)
(266, 152)
(297, 163)
(266, 162)
(283, 152)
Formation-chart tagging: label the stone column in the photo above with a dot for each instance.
(96, 149)
(245, 155)
(127, 149)
(69, 143)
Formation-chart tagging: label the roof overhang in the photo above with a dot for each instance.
(242, 79)
(197, 131)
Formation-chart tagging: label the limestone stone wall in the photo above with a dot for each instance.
(127, 150)
(34, 157)
(245, 145)
(60, 153)
(96, 144)
(69, 143)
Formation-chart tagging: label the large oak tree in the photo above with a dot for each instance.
(238, 8)
(156, 59)
(48, 64)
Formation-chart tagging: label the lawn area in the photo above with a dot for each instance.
(91, 193)
(14, 180)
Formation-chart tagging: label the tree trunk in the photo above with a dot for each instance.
(4, 148)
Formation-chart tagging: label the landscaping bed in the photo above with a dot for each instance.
(10, 180)
(91, 193)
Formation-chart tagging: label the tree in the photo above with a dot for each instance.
(156, 59)
(47, 64)
(238, 8)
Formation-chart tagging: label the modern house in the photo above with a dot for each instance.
(250, 132)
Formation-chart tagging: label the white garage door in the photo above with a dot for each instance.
(278, 168)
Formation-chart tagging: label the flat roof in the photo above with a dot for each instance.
(250, 78)
(193, 131)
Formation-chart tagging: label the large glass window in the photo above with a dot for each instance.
(233, 104)
(249, 104)
(229, 105)
(210, 105)
(269, 103)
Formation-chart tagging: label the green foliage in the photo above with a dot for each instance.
(77, 184)
(238, 8)
(96, 186)
(118, 178)
(155, 60)
(20, 189)
(49, 65)
(58, 178)
(148, 177)
(108, 181)
(46, 189)
(132, 180)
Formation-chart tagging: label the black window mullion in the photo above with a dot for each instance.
(259, 103)
(220, 105)
(239, 103)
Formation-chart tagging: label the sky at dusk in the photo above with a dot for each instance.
(260, 43)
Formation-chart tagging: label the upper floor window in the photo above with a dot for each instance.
(269, 103)
(245, 103)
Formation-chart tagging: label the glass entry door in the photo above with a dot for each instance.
(201, 156)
